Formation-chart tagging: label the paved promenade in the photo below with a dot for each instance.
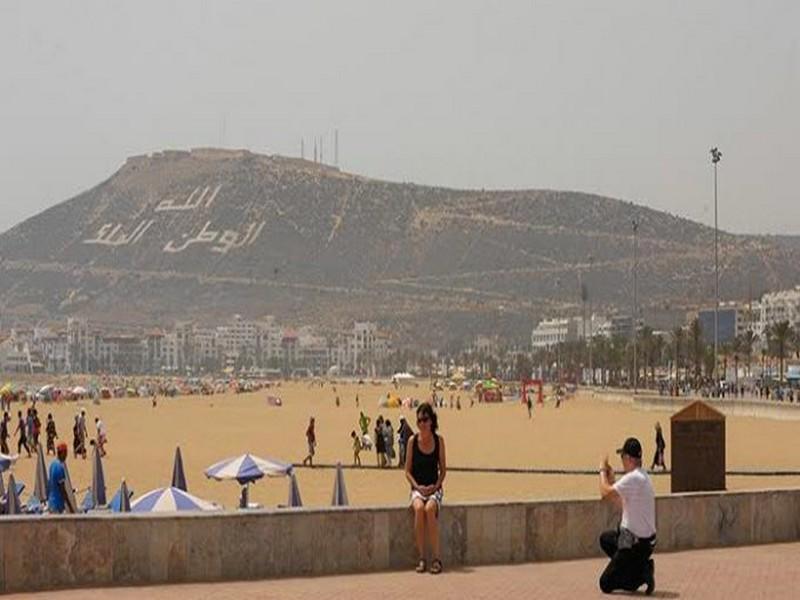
(753, 572)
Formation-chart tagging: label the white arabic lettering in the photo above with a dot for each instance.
(195, 199)
(111, 235)
(225, 242)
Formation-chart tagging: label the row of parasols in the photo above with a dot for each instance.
(245, 469)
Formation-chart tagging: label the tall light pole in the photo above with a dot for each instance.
(591, 318)
(635, 225)
(716, 156)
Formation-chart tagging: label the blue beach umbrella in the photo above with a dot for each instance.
(294, 492)
(98, 480)
(40, 483)
(339, 489)
(6, 460)
(170, 500)
(72, 503)
(121, 502)
(12, 499)
(247, 468)
(178, 475)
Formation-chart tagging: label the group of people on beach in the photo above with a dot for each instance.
(29, 427)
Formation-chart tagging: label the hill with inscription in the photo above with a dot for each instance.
(207, 233)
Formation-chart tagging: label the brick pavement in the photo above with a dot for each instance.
(748, 573)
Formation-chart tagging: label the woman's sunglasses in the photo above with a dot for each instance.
(423, 420)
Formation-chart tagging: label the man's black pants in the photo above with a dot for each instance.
(629, 567)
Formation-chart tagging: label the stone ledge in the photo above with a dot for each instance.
(41, 553)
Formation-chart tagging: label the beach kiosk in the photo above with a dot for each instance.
(698, 449)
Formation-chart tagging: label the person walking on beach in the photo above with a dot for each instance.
(380, 443)
(83, 434)
(630, 545)
(529, 403)
(388, 441)
(311, 439)
(426, 468)
(356, 449)
(52, 434)
(102, 438)
(4, 433)
(404, 433)
(22, 442)
(37, 427)
(29, 427)
(661, 445)
(77, 442)
(57, 496)
(363, 423)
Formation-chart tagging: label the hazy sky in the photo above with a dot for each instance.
(622, 98)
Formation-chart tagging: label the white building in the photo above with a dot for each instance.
(776, 307)
(551, 332)
(14, 356)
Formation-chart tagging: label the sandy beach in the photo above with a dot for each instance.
(142, 441)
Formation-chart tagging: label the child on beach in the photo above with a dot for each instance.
(356, 448)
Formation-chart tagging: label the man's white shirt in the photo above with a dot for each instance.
(638, 503)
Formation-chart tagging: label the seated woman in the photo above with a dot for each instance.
(425, 471)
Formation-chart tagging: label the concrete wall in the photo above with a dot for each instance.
(38, 553)
(738, 407)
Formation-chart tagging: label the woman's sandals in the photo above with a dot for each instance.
(436, 566)
(421, 566)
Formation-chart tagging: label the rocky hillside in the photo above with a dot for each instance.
(207, 233)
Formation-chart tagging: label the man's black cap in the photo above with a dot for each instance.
(631, 447)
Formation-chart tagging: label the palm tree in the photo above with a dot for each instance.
(781, 336)
(746, 342)
(678, 341)
(600, 355)
(696, 347)
(645, 336)
(657, 353)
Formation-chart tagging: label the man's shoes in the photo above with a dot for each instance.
(650, 578)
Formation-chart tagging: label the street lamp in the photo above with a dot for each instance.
(716, 156)
(635, 225)
(591, 317)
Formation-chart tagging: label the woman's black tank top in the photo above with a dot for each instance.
(425, 467)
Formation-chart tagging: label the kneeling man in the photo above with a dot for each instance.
(630, 546)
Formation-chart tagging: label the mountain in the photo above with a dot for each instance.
(207, 233)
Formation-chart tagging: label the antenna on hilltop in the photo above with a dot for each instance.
(315, 149)
(336, 148)
(321, 145)
(302, 148)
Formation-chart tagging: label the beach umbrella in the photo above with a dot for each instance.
(72, 503)
(6, 460)
(247, 468)
(169, 500)
(98, 480)
(294, 492)
(178, 475)
(339, 489)
(40, 484)
(12, 500)
(125, 498)
(121, 502)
